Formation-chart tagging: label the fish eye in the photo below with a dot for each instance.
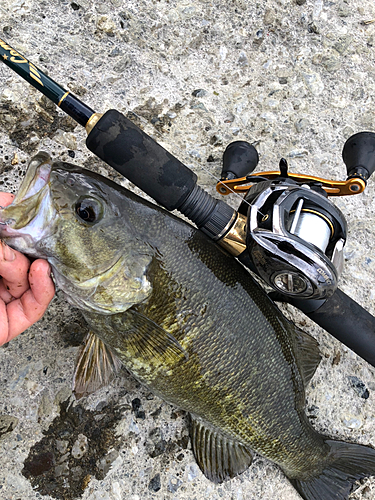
(89, 210)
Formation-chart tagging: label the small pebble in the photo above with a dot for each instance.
(80, 447)
(199, 93)
(173, 484)
(352, 422)
(359, 387)
(7, 424)
(154, 484)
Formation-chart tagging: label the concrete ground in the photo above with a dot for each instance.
(297, 79)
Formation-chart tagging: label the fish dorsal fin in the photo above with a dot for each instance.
(95, 366)
(151, 340)
(219, 457)
(308, 354)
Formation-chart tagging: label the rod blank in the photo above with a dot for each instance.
(67, 101)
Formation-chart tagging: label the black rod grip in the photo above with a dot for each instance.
(120, 143)
(346, 320)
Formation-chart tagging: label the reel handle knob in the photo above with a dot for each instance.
(359, 155)
(239, 159)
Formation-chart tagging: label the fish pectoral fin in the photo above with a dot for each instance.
(308, 354)
(152, 341)
(95, 366)
(219, 457)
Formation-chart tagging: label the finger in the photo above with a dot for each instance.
(4, 326)
(6, 199)
(41, 283)
(13, 269)
(5, 296)
(27, 310)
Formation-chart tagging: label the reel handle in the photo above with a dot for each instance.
(239, 159)
(359, 155)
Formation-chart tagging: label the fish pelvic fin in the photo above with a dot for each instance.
(308, 354)
(95, 366)
(346, 464)
(219, 457)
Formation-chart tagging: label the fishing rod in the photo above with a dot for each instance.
(286, 230)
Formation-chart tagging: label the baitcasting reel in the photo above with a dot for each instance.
(294, 235)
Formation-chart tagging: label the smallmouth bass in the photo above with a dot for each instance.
(187, 321)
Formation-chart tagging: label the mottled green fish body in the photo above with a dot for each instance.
(187, 321)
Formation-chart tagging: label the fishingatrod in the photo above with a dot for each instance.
(135, 155)
(186, 320)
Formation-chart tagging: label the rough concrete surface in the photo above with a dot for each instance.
(294, 78)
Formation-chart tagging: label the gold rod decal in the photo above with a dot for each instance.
(4, 45)
(15, 54)
(12, 53)
(17, 58)
(36, 79)
(34, 73)
(34, 70)
(63, 97)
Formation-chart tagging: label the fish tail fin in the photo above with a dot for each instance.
(346, 464)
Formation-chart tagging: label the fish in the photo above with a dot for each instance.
(187, 320)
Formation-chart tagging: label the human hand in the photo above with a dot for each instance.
(25, 290)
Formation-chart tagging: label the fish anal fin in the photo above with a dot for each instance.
(95, 366)
(308, 354)
(219, 457)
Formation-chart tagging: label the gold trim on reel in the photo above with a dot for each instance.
(234, 240)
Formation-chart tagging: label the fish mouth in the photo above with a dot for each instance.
(36, 178)
(28, 215)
